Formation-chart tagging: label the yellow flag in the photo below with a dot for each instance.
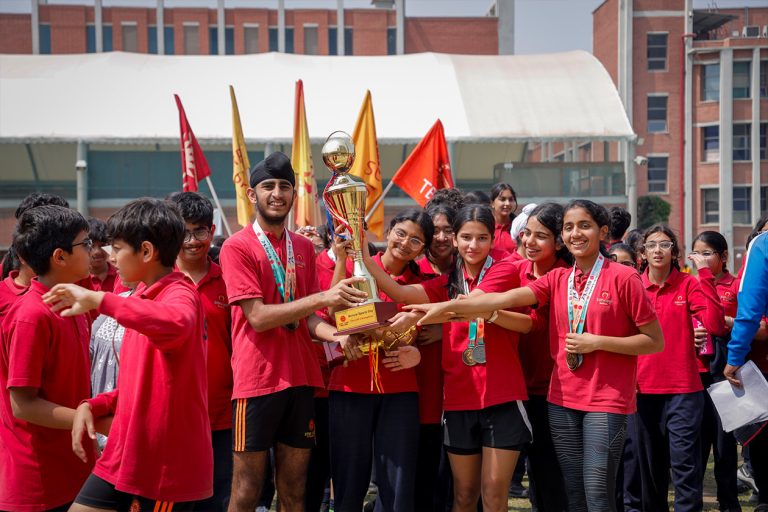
(240, 166)
(305, 209)
(366, 164)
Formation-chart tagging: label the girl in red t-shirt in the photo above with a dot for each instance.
(380, 427)
(484, 422)
(504, 204)
(670, 397)
(600, 320)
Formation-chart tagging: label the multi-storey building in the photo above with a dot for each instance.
(695, 86)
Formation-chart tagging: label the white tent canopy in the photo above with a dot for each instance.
(125, 97)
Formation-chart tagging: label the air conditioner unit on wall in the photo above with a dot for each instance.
(750, 31)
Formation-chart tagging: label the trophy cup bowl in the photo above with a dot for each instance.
(345, 199)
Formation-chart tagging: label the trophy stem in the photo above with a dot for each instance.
(369, 285)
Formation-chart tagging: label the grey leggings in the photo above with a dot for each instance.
(589, 447)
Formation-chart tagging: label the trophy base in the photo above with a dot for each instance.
(365, 317)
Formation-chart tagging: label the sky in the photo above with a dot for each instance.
(537, 30)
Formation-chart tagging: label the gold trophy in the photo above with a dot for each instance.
(345, 199)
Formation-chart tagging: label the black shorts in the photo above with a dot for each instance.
(286, 417)
(98, 493)
(503, 426)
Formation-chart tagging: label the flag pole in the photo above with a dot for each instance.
(379, 200)
(218, 205)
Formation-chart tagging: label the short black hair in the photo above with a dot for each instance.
(97, 231)
(194, 208)
(620, 221)
(39, 199)
(149, 220)
(11, 262)
(476, 197)
(42, 230)
(452, 197)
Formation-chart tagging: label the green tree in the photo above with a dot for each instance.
(651, 210)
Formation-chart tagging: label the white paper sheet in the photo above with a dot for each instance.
(741, 406)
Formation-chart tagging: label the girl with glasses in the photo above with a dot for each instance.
(713, 247)
(670, 398)
(372, 425)
(599, 321)
(623, 254)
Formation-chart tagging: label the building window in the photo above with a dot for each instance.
(348, 40)
(333, 44)
(763, 201)
(90, 38)
(167, 39)
(710, 206)
(273, 33)
(742, 143)
(763, 130)
(742, 205)
(251, 35)
(657, 174)
(657, 114)
(710, 82)
(44, 39)
(657, 52)
(710, 136)
(764, 78)
(191, 39)
(213, 40)
(391, 40)
(310, 40)
(741, 72)
(130, 36)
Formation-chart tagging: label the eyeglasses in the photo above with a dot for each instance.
(87, 243)
(200, 234)
(665, 245)
(402, 236)
(625, 263)
(706, 254)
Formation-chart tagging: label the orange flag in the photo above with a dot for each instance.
(427, 168)
(367, 164)
(306, 213)
(240, 166)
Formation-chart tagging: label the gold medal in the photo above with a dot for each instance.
(466, 356)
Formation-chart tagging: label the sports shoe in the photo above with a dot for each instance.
(743, 475)
(517, 491)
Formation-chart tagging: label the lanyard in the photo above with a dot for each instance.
(477, 326)
(284, 277)
(577, 305)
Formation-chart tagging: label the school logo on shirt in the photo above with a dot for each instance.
(310, 433)
(679, 301)
(299, 261)
(221, 302)
(727, 297)
(605, 299)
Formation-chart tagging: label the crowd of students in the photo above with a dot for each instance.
(138, 372)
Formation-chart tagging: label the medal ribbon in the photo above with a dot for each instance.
(477, 326)
(284, 277)
(578, 305)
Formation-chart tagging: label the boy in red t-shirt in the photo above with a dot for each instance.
(44, 368)
(194, 262)
(158, 456)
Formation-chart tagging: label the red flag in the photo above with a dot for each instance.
(193, 164)
(427, 168)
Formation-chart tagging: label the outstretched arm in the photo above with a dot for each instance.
(474, 305)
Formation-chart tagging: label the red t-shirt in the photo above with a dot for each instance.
(502, 238)
(727, 288)
(274, 360)
(682, 296)
(160, 442)
(108, 284)
(218, 321)
(325, 267)
(10, 292)
(606, 381)
(40, 349)
(536, 355)
(356, 377)
(498, 381)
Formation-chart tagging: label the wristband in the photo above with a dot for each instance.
(493, 317)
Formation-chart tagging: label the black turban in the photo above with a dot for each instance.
(275, 166)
